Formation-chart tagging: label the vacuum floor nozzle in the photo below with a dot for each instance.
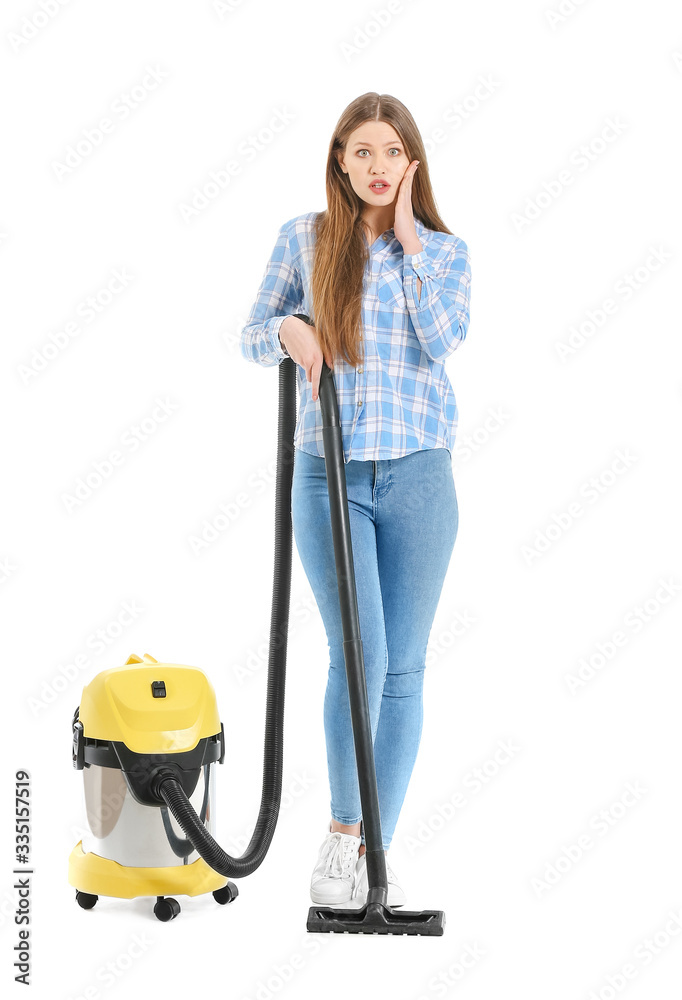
(375, 918)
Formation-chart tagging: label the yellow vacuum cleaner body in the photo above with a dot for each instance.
(134, 721)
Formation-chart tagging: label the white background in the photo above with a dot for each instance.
(534, 430)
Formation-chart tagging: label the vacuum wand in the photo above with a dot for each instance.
(375, 917)
(352, 642)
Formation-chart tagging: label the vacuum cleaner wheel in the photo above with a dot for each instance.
(226, 894)
(86, 900)
(166, 908)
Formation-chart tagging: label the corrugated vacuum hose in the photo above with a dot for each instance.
(166, 781)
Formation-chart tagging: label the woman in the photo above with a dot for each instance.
(386, 285)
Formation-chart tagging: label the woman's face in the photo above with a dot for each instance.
(374, 153)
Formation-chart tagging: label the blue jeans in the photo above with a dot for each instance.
(403, 520)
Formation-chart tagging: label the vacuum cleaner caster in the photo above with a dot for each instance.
(86, 900)
(226, 894)
(166, 908)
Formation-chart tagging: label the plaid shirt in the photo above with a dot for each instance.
(399, 399)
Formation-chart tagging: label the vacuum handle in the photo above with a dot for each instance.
(325, 374)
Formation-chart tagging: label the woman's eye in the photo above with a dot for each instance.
(390, 150)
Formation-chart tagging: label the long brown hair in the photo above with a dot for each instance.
(340, 248)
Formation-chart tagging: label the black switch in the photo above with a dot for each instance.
(159, 689)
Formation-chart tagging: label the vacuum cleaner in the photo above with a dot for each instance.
(147, 736)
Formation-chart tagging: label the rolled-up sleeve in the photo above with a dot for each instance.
(280, 295)
(440, 315)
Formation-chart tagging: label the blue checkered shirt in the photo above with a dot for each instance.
(399, 399)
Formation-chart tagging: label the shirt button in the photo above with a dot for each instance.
(359, 402)
(386, 237)
(359, 371)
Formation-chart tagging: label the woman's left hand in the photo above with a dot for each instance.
(403, 222)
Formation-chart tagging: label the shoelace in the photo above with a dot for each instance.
(339, 857)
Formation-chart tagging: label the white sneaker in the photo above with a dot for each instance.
(396, 896)
(334, 874)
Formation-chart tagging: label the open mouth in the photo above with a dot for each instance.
(379, 186)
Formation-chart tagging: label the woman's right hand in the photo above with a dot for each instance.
(300, 341)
